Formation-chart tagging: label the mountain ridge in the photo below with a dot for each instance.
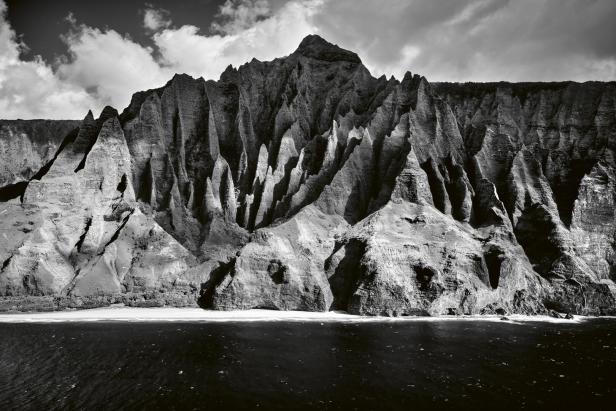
(304, 183)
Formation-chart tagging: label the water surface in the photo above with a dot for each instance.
(307, 365)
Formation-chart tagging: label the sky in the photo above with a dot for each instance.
(60, 58)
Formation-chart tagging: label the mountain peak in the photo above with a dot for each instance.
(317, 47)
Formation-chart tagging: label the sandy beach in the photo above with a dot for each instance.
(123, 313)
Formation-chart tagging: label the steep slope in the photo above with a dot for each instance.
(305, 183)
(25, 146)
(81, 209)
(548, 148)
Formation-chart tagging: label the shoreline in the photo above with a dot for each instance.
(121, 313)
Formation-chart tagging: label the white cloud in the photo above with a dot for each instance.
(239, 15)
(266, 39)
(30, 89)
(109, 66)
(476, 40)
(103, 67)
(155, 19)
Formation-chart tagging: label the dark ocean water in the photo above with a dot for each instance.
(308, 365)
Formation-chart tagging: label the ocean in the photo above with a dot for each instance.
(291, 365)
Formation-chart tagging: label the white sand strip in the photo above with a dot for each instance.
(122, 313)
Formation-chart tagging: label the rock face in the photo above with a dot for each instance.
(549, 151)
(25, 147)
(305, 183)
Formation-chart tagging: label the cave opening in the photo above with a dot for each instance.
(277, 272)
(424, 275)
(494, 260)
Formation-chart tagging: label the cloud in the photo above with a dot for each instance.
(103, 67)
(448, 40)
(265, 39)
(478, 40)
(240, 15)
(109, 66)
(30, 89)
(155, 19)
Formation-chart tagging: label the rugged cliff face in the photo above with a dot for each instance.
(305, 183)
(25, 146)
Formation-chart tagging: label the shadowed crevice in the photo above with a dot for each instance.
(122, 184)
(117, 232)
(437, 187)
(566, 189)
(70, 137)
(12, 191)
(536, 233)
(208, 289)
(6, 263)
(82, 238)
(344, 280)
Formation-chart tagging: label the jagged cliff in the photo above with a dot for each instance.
(305, 183)
(26, 146)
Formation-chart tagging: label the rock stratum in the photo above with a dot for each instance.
(305, 183)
